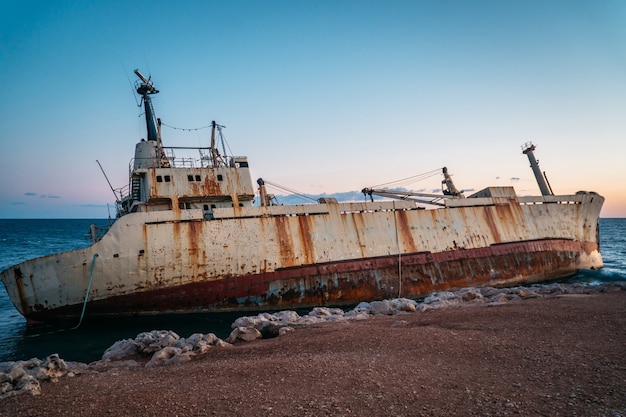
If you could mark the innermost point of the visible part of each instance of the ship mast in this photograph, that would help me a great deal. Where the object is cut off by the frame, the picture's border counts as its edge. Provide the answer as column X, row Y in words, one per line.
column 145, row 88
column 528, row 149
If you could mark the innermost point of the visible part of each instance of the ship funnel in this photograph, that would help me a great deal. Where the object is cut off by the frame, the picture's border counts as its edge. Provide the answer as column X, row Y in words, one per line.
column 528, row 149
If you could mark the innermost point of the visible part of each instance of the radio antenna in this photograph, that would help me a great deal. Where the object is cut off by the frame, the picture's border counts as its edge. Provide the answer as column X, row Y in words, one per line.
column 107, row 178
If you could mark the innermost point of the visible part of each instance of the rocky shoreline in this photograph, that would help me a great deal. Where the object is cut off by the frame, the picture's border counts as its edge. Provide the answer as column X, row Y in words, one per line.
column 152, row 351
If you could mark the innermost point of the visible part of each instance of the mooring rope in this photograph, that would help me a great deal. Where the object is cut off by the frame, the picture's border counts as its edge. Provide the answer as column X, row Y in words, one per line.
column 82, row 314
column 395, row 220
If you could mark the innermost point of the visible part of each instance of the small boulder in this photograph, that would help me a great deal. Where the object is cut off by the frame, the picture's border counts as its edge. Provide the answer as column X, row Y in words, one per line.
column 55, row 367
column 284, row 330
column 28, row 384
column 150, row 342
column 122, row 349
column 244, row 334
column 169, row 355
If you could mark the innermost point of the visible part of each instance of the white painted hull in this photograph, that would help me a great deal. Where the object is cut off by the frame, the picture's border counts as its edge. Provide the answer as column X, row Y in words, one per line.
column 259, row 258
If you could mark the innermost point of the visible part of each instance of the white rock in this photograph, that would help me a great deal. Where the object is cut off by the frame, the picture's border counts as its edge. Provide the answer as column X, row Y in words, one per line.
column 31, row 363
column 287, row 316
column 150, row 342
column 257, row 322
column 244, row 334
column 5, row 387
column 307, row 320
column 472, row 295
column 120, row 350
column 357, row 315
column 323, row 312
column 404, row 305
column 15, row 373
column 442, row 299
column 55, row 366
column 211, row 339
column 28, row 384
column 284, row 330
column 163, row 356
column 384, row 307
column 222, row 344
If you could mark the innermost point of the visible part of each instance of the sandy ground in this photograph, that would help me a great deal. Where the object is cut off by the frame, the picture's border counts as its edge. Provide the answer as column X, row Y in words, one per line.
column 562, row 356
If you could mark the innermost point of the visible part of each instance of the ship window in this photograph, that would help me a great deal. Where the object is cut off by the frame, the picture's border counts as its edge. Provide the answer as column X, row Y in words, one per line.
column 240, row 204
column 190, row 177
column 206, row 207
column 220, row 177
column 197, row 177
column 159, row 178
column 243, row 165
column 167, row 178
column 213, row 206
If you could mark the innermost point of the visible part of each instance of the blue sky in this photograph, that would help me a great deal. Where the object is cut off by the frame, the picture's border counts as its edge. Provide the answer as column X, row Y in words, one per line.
column 322, row 96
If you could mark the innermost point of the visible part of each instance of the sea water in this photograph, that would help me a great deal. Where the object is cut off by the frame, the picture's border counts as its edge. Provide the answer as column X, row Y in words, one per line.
column 26, row 239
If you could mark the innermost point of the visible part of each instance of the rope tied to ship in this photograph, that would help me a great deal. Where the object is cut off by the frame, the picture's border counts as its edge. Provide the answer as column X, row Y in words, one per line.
column 82, row 314
column 395, row 221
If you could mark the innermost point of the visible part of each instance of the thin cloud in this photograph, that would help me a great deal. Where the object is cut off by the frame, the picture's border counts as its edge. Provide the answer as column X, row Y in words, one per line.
column 93, row 205
column 53, row 196
column 30, row 194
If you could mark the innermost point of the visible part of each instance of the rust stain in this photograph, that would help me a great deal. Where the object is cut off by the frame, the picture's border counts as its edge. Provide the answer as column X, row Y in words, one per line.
column 348, row 282
column 492, row 225
column 210, row 185
column 305, row 239
column 285, row 244
column 19, row 284
column 404, row 231
column 359, row 226
column 195, row 239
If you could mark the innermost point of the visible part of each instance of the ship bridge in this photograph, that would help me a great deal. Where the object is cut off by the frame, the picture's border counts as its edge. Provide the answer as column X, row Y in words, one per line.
column 166, row 183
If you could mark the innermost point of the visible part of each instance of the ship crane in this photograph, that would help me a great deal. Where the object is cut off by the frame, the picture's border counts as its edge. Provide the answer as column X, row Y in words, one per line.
column 449, row 190
column 528, row 149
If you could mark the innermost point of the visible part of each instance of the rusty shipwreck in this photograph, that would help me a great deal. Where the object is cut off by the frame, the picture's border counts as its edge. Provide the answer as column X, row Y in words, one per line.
column 188, row 237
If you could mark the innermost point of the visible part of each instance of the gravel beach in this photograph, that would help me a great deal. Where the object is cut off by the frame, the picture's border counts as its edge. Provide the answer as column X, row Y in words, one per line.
column 556, row 356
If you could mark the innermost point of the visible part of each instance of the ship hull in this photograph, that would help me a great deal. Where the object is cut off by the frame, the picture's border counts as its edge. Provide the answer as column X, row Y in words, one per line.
column 264, row 258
